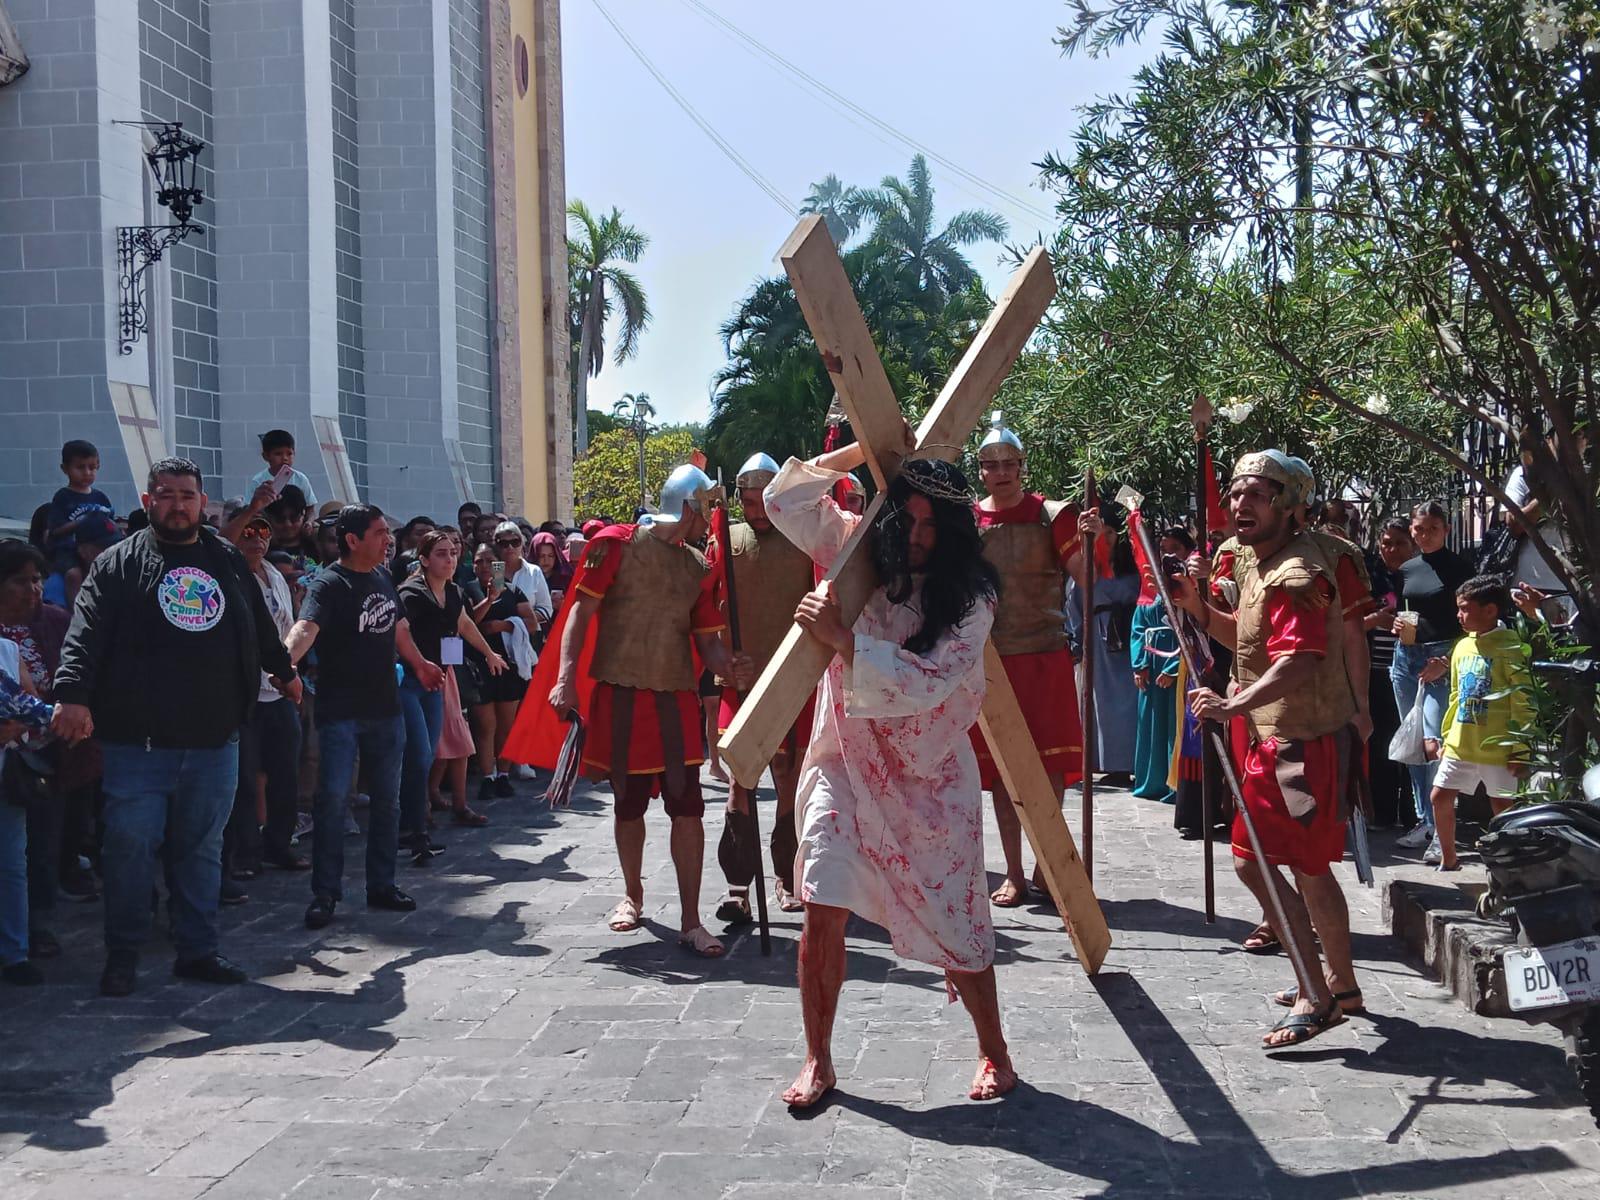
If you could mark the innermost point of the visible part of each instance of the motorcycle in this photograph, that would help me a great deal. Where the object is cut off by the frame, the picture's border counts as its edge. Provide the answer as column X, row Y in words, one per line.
column 1543, row 864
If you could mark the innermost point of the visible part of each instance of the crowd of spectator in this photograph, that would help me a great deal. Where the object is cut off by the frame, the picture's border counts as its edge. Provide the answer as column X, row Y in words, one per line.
column 193, row 694
column 1431, row 609
column 233, row 686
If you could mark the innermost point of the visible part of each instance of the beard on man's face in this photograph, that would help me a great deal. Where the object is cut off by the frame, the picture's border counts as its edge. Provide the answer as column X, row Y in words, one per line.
column 173, row 524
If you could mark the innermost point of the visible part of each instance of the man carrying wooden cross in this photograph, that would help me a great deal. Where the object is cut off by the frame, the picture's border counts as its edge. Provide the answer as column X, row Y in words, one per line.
column 891, row 815
column 1033, row 543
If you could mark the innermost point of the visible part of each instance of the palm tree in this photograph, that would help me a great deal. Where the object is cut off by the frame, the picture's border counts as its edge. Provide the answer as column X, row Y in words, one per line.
column 902, row 214
column 839, row 206
column 598, row 281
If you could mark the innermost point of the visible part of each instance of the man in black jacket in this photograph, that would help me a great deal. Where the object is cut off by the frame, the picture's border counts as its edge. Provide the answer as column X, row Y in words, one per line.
column 162, row 661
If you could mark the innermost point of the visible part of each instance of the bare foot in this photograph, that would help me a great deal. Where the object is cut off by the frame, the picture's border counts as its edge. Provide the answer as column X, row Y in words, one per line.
column 718, row 773
column 816, row 1080
column 993, row 1079
column 1009, row 894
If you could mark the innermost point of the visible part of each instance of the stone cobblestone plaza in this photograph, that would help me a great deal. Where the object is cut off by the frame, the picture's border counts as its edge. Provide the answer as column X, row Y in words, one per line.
column 500, row 1042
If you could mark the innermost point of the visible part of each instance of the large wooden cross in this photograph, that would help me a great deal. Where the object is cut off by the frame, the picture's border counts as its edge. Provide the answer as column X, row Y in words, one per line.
column 830, row 308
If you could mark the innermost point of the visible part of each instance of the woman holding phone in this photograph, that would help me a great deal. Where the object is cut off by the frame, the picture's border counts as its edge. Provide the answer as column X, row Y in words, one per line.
column 1426, row 574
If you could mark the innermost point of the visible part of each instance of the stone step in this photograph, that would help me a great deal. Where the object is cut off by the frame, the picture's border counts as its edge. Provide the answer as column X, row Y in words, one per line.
column 1439, row 924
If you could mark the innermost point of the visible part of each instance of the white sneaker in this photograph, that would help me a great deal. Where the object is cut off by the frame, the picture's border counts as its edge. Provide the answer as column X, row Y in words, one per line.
column 352, row 827
column 1434, row 853
column 302, row 826
column 523, row 771
column 1416, row 839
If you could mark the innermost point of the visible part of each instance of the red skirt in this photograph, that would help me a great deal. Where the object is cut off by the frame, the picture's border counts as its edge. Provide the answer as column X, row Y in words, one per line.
column 794, row 742
column 624, row 742
column 1047, row 692
column 1293, row 790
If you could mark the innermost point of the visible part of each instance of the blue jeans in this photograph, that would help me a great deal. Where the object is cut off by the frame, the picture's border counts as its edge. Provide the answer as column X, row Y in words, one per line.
column 13, row 884
column 1403, row 671
column 380, row 742
column 424, row 717
column 180, row 799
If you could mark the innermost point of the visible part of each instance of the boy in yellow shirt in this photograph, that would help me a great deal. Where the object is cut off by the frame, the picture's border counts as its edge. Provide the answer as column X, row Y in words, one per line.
column 1487, row 670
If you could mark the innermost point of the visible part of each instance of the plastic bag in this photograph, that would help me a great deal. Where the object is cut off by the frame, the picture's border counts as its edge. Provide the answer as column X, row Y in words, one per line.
column 1408, row 745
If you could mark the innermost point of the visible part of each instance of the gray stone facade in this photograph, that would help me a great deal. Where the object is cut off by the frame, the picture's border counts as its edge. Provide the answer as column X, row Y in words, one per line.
column 475, row 399
column 342, row 285
column 175, row 85
column 52, row 260
column 347, row 236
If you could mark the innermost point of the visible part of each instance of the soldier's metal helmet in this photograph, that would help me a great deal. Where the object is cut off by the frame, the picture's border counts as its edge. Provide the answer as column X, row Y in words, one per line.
column 853, row 481
column 690, row 485
column 758, row 471
column 999, row 442
column 1282, row 470
column 1308, row 477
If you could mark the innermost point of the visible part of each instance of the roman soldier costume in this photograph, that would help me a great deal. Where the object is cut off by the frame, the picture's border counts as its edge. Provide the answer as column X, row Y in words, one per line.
column 1293, row 753
column 637, row 671
column 1030, row 545
column 770, row 577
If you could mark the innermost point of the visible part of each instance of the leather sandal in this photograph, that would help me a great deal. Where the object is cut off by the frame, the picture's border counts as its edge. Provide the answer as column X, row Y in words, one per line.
column 1302, row 1027
column 699, row 940
column 1290, row 996
column 624, row 917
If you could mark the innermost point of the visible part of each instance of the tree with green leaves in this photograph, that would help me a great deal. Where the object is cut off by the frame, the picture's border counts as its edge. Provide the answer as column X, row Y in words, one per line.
column 919, row 294
column 903, row 222
column 605, row 480
column 839, row 205
column 597, row 248
column 1413, row 185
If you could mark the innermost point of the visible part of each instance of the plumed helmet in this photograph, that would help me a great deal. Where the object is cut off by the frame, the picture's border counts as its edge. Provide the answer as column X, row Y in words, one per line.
column 997, row 440
column 690, row 485
column 1282, row 470
column 758, row 471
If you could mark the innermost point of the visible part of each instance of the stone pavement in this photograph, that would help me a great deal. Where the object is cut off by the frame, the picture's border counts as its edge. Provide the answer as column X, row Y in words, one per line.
column 500, row 1042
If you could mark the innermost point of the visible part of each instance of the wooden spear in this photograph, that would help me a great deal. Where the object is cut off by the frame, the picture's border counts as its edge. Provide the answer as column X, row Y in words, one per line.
column 1086, row 701
column 1200, row 414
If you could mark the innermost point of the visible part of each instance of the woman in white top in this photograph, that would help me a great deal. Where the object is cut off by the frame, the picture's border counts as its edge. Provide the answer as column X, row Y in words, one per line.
column 529, row 580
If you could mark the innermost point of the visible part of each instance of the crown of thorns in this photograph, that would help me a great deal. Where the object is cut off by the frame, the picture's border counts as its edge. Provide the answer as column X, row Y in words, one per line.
column 937, row 479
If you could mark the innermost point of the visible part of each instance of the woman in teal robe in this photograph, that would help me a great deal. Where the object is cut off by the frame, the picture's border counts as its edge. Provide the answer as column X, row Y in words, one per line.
column 1153, row 648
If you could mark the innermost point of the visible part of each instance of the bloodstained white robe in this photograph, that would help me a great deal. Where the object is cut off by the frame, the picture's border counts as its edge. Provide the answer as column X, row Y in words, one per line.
column 891, row 816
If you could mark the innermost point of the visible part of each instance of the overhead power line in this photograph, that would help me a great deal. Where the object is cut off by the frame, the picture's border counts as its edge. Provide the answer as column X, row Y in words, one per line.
column 826, row 92
column 722, row 143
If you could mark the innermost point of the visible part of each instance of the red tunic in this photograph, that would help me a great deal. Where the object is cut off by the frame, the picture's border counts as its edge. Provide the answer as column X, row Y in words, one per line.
column 661, row 723
column 537, row 735
column 1292, row 787
column 1045, row 685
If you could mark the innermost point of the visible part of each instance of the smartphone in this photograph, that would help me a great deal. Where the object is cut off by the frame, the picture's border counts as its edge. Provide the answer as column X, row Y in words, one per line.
column 281, row 479
column 497, row 572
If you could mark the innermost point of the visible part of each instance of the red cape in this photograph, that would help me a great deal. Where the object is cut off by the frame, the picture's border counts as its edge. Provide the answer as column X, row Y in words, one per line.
column 537, row 735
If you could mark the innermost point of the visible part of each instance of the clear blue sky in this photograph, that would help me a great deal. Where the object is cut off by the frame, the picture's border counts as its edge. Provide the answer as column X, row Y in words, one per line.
column 978, row 81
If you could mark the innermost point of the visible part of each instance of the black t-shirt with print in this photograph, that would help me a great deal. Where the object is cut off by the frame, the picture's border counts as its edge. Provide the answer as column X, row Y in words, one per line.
column 430, row 621
column 196, row 650
column 355, row 614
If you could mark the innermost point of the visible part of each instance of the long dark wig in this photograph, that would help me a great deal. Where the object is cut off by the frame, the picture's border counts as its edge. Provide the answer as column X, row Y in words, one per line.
column 958, row 575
